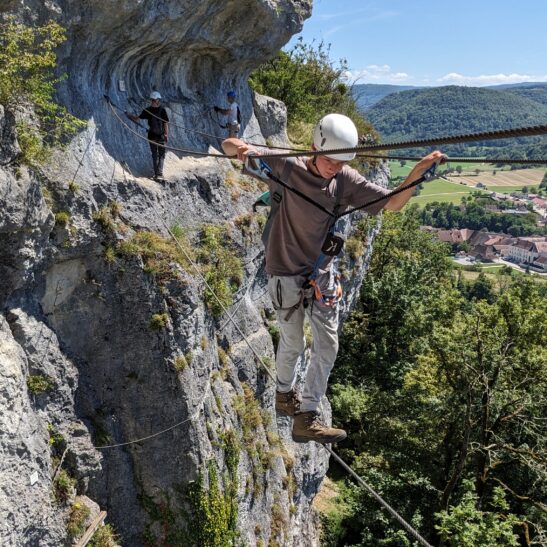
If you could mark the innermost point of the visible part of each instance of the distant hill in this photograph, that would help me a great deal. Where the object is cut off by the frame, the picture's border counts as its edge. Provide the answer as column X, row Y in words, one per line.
column 538, row 94
column 451, row 110
column 522, row 85
column 367, row 95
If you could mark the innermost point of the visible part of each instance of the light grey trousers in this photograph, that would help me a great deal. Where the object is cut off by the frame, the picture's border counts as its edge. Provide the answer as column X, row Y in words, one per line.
column 285, row 293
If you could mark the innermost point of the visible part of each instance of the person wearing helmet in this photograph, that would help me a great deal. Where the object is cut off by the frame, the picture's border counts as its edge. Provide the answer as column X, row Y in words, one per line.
column 233, row 114
column 158, row 132
column 294, row 244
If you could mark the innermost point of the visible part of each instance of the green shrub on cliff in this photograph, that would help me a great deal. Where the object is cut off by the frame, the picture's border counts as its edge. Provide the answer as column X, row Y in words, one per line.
column 221, row 267
column 28, row 81
column 311, row 85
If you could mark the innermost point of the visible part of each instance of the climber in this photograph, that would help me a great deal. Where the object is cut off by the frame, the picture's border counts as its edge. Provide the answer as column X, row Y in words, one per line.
column 294, row 244
column 233, row 113
column 158, row 132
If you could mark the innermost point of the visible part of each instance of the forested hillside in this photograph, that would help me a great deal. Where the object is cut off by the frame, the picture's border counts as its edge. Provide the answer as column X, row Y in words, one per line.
column 441, row 385
column 451, row 110
column 367, row 95
column 537, row 93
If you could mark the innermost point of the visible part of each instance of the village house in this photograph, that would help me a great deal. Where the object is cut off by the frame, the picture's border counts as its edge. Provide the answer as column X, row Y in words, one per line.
column 540, row 263
column 486, row 246
column 527, row 249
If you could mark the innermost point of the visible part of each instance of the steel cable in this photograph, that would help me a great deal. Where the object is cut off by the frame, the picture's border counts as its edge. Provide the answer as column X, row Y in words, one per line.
column 455, row 139
column 461, row 160
column 379, row 499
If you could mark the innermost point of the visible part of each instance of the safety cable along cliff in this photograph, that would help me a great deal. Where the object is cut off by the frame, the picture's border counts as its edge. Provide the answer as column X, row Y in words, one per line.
column 454, row 139
column 469, row 137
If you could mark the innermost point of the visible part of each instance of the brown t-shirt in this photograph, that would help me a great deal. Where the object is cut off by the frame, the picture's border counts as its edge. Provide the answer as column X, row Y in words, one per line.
column 299, row 228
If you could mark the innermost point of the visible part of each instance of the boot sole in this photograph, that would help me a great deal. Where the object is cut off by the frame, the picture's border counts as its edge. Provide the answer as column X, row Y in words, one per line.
column 321, row 440
column 284, row 413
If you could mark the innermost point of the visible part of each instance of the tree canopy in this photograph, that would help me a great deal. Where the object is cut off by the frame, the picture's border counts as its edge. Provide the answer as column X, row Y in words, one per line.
column 441, row 384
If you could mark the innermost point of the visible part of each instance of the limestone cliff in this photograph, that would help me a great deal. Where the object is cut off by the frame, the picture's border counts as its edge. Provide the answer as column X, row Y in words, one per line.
column 106, row 338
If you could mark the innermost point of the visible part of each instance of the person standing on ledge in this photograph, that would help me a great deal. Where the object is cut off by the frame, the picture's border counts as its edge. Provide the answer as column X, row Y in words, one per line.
column 297, row 283
column 233, row 114
column 158, row 132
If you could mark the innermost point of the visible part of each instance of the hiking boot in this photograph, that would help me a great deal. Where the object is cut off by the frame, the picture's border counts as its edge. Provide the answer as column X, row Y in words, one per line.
column 287, row 403
column 307, row 426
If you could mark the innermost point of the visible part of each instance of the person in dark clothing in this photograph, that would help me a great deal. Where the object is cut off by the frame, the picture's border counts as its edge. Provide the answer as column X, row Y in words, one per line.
column 158, row 131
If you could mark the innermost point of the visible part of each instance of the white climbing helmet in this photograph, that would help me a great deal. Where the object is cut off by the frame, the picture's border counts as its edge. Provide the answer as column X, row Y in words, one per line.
column 155, row 95
column 336, row 131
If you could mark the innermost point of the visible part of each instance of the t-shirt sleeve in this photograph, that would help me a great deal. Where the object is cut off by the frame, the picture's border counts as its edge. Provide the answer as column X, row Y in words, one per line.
column 144, row 115
column 360, row 191
column 164, row 115
column 277, row 165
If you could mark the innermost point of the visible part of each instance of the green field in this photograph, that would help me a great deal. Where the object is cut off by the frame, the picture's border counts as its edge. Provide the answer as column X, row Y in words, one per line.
column 400, row 171
column 504, row 189
column 451, row 191
column 442, row 191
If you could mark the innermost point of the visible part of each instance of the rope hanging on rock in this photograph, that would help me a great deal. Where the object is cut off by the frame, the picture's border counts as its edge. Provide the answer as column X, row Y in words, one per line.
column 470, row 137
column 188, row 130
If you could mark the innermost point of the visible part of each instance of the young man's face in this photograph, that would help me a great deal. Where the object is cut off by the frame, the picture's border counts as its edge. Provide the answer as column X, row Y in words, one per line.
column 231, row 98
column 155, row 102
column 328, row 167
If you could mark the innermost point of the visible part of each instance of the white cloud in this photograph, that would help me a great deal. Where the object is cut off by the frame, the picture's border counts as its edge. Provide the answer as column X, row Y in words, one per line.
column 489, row 79
column 376, row 74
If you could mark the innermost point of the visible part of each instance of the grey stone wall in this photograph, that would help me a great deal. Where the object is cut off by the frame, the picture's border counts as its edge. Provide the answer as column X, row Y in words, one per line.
column 82, row 321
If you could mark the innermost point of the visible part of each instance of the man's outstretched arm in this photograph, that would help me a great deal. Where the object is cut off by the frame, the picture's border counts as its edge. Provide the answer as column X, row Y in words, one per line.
column 236, row 147
column 397, row 202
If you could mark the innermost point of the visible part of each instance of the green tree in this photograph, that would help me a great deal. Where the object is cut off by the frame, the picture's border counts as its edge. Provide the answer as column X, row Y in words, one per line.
column 466, row 526
column 28, row 84
column 311, row 85
column 434, row 388
column 482, row 289
column 305, row 79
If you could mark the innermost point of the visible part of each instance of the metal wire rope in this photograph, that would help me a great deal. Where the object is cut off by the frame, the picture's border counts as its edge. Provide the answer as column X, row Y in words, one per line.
column 379, row 498
column 158, row 433
column 461, row 160
column 132, row 99
column 486, row 135
column 455, row 139
column 172, row 148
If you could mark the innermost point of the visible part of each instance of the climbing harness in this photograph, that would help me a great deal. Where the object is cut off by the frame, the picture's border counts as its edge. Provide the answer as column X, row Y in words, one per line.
column 334, row 240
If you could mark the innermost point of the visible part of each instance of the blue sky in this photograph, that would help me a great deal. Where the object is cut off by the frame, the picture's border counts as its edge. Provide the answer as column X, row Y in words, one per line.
column 426, row 42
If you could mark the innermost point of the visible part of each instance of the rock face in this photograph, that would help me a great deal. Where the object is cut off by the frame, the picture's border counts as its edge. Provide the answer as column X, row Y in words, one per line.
column 117, row 380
